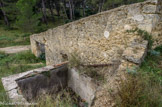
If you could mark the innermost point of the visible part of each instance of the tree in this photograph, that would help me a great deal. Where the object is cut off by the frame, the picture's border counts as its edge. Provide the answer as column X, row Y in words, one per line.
column 44, row 11
column 50, row 6
column 101, row 3
column 71, row 7
column 63, row 5
column 84, row 6
column 27, row 19
column 4, row 14
column 57, row 5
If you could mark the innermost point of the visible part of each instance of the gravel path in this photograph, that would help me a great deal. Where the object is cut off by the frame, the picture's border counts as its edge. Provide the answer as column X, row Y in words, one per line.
column 15, row 49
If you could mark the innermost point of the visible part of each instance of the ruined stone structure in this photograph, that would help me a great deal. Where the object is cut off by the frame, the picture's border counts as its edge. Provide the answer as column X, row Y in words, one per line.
column 101, row 39
column 24, row 88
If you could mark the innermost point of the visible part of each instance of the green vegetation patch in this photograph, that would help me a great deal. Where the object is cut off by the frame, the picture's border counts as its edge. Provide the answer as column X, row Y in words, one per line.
column 145, row 35
column 16, row 63
column 13, row 38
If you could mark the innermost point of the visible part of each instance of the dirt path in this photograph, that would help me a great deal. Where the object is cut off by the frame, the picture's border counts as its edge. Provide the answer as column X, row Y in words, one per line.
column 15, row 49
column 33, row 64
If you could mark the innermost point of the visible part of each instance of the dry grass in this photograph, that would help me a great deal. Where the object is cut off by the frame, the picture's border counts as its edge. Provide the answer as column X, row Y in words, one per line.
column 64, row 98
column 139, row 91
column 143, row 89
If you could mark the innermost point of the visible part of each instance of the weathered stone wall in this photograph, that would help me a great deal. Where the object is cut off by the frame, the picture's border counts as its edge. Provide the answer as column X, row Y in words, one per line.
column 99, row 38
column 157, row 31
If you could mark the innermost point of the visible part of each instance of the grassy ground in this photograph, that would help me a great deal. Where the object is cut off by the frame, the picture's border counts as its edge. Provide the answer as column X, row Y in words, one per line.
column 14, row 37
column 16, row 63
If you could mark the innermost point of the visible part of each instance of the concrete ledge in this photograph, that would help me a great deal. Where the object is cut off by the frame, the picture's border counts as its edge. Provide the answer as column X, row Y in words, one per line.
column 82, row 85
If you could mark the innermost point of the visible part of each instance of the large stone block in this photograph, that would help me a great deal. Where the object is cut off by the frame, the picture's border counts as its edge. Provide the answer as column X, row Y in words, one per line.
column 136, row 51
column 149, row 9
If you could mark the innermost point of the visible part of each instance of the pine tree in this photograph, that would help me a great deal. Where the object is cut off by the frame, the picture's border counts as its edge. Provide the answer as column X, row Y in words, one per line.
column 3, row 8
column 9, row 6
column 28, row 20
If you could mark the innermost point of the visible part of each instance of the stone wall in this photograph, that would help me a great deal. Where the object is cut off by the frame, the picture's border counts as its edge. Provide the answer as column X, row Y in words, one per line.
column 100, row 38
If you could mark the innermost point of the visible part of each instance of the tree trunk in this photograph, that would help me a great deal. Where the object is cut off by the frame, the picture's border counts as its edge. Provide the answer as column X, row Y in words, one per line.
column 51, row 10
column 44, row 12
column 73, row 9
column 64, row 8
column 84, row 6
column 4, row 14
column 57, row 7
column 99, row 7
column 101, row 3
column 70, row 10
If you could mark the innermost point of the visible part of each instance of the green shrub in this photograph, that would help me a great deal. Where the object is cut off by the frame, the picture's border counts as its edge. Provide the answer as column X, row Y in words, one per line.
column 153, row 52
column 42, row 56
column 3, row 55
column 159, row 49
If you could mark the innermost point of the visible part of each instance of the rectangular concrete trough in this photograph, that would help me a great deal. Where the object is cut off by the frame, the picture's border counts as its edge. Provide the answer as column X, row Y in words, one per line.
column 24, row 87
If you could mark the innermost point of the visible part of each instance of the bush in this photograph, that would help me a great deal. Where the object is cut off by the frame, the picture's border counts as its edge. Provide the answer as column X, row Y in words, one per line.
column 139, row 91
column 143, row 87
column 42, row 56
column 3, row 55
column 159, row 49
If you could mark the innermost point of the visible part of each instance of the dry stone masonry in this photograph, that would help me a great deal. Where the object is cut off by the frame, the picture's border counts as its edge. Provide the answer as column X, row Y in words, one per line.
column 102, row 37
